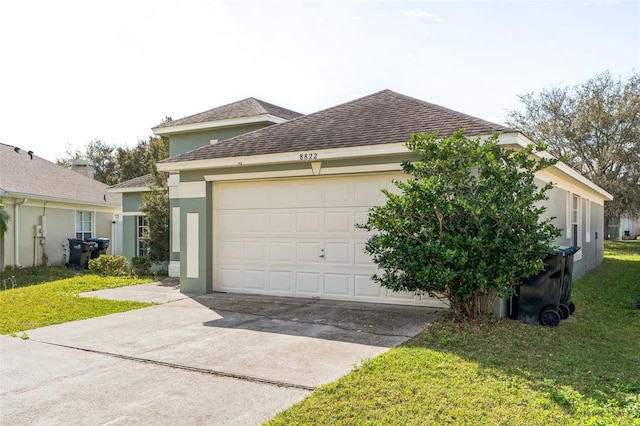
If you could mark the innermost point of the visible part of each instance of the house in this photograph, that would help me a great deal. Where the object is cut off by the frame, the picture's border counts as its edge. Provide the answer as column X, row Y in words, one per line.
column 626, row 227
column 273, row 210
column 186, row 134
column 49, row 204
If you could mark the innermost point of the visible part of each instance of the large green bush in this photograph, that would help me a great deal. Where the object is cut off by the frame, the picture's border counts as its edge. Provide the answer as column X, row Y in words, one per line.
column 467, row 224
column 110, row 266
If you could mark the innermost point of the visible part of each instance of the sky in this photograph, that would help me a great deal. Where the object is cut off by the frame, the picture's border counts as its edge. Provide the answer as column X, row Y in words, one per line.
column 76, row 71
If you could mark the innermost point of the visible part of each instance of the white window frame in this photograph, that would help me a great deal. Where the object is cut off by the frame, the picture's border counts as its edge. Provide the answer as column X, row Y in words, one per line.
column 141, row 250
column 587, row 221
column 81, row 225
column 575, row 215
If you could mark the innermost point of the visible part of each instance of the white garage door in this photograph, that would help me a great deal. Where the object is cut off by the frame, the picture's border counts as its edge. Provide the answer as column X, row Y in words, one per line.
column 297, row 237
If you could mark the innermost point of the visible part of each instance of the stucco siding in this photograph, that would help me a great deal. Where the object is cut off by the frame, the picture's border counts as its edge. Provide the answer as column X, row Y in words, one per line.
column 185, row 142
column 195, row 248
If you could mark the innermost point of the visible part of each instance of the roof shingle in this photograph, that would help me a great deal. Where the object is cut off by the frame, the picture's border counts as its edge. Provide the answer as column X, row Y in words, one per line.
column 381, row 118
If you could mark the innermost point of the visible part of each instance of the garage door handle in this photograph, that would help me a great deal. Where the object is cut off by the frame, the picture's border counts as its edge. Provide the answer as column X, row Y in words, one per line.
column 321, row 253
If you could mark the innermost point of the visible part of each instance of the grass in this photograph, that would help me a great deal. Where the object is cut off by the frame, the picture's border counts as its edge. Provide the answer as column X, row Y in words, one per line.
column 501, row 372
column 22, row 277
column 29, row 305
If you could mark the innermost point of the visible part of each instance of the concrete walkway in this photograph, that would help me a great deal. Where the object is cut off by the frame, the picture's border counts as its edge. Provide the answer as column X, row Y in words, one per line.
column 212, row 359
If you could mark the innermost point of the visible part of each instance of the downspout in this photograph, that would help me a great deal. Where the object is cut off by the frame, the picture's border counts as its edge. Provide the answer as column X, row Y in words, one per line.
column 16, row 229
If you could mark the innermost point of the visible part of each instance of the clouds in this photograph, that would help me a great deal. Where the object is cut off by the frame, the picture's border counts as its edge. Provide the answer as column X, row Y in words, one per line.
column 421, row 14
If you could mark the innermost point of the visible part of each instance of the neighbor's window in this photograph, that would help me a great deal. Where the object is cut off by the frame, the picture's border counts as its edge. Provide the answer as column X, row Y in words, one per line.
column 141, row 228
column 83, row 225
column 575, row 215
column 587, row 221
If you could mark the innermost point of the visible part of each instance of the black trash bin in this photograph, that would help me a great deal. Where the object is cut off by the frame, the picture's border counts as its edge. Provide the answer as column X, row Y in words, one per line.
column 102, row 244
column 537, row 300
column 80, row 253
column 567, row 278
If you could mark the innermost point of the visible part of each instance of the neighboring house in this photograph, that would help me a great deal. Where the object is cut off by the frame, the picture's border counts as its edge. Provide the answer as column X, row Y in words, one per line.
column 187, row 134
column 49, row 204
column 273, row 211
column 625, row 228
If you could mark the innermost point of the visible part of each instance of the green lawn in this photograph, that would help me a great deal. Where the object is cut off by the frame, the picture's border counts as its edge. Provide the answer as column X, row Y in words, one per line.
column 500, row 372
column 25, row 304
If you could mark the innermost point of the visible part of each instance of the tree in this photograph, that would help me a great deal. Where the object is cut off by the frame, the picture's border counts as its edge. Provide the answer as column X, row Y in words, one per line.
column 155, row 206
column 595, row 128
column 4, row 220
column 467, row 224
column 102, row 156
column 155, row 203
column 141, row 159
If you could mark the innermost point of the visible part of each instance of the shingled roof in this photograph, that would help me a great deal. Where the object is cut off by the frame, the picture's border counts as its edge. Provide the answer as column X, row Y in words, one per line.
column 28, row 176
column 244, row 108
column 381, row 118
column 144, row 181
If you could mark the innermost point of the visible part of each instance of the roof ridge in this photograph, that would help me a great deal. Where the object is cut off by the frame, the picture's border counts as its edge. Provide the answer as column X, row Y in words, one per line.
column 449, row 110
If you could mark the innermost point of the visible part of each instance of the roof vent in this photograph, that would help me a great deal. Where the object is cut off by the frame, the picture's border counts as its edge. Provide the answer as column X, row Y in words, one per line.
column 30, row 154
column 17, row 150
column 84, row 167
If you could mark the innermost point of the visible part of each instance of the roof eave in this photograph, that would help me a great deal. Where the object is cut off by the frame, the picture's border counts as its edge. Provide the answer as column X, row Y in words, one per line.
column 129, row 189
column 216, row 124
column 57, row 199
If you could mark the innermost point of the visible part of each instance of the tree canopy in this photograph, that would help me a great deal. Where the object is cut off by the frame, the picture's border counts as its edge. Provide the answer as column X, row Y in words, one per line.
column 595, row 128
column 467, row 224
column 114, row 164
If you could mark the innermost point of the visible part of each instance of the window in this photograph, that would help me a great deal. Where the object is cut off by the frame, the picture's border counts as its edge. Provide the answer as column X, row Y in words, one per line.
column 587, row 221
column 141, row 229
column 83, row 225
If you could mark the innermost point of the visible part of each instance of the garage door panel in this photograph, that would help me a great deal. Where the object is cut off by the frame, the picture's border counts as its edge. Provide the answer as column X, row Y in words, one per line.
column 338, row 222
column 364, row 287
column 308, row 252
column 231, row 222
column 337, row 253
column 369, row 192
column 337, row 284
column 281, row 281
column 309, row 194
column 230, row 279
column 280, row 194
column 281, row 251
column 308, row 222
column 255, row 223
column 308, row 282
column 231, row 251
column 281, row 222
column 255, row 251
column 254, row 280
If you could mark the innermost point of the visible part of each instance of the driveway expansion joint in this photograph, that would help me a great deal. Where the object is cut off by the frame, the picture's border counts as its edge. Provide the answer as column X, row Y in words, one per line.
column 216, row 373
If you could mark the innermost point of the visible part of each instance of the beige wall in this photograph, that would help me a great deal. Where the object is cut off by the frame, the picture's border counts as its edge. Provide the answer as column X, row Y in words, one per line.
column 59, row 225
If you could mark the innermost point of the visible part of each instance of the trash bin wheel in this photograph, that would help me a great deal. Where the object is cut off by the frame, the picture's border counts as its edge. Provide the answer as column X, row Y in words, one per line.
column 572, row 307
column 564, row 311
column 549, row 317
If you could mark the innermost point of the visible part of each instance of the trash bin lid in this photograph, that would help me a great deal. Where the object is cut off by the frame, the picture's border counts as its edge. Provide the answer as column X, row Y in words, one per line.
column 569, row 250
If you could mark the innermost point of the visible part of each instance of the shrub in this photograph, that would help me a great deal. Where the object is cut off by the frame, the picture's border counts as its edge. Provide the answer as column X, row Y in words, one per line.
column 109, row 265
column 141, row 265
column 468, row 223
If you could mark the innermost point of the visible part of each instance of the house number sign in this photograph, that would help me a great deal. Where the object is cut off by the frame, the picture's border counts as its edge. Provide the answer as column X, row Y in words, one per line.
column 309, row 156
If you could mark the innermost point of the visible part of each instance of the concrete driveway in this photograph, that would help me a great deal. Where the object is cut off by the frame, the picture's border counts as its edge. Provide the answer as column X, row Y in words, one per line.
column 208, row 359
